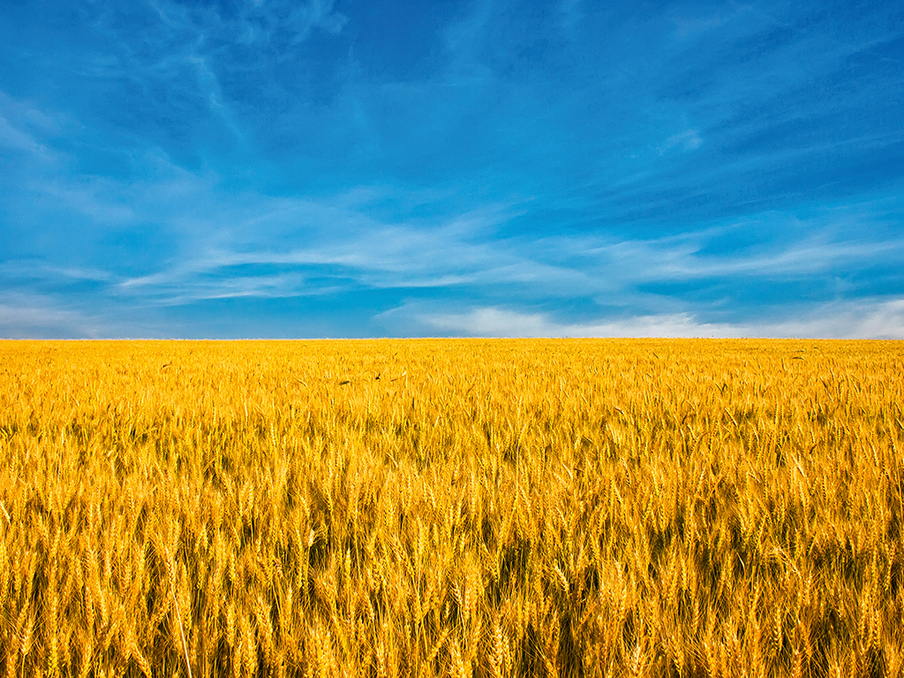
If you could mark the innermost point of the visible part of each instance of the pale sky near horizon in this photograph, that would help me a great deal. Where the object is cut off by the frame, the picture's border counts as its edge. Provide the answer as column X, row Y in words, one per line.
column 330, row 168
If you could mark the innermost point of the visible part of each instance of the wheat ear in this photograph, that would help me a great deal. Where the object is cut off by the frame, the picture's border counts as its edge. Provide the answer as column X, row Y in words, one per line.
column 181, row 630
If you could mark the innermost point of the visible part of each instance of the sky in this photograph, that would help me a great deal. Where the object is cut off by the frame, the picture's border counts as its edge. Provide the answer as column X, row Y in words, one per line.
column 397, row 168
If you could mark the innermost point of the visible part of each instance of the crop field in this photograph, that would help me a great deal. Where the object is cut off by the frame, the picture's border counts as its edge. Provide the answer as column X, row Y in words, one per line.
column 452, row 508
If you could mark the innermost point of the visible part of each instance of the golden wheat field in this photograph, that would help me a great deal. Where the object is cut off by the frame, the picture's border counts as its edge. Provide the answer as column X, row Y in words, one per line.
column 452, row 508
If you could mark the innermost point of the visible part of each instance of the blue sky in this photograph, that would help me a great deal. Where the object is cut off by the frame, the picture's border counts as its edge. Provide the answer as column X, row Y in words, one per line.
column 267, row 168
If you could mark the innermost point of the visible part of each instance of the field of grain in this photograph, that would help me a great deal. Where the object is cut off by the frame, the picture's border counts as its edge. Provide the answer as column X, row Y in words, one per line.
column 452, row 508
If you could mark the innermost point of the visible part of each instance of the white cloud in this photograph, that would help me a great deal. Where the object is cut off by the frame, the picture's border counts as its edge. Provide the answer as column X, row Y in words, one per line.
column 863, row 319
column 499, row 322
column 25, row 316
column 872, row 319
column 688, row 140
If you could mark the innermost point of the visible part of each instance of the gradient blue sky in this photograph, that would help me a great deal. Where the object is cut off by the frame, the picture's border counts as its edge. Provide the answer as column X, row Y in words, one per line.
column 267, row 168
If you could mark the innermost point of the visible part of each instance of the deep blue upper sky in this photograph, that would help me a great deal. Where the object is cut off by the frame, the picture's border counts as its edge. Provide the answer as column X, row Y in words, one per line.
column 272, row 168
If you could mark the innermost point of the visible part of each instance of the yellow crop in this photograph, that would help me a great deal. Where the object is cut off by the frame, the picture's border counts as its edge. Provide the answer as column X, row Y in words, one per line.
column 461, row 507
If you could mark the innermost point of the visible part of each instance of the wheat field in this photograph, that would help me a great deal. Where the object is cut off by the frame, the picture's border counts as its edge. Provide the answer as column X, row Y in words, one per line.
column 452, row 508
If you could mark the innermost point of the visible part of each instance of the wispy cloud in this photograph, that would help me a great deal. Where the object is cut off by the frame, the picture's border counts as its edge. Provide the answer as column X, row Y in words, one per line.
column 688, row 140
column 683, row 258
column 16, row 139
column 254, row 245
